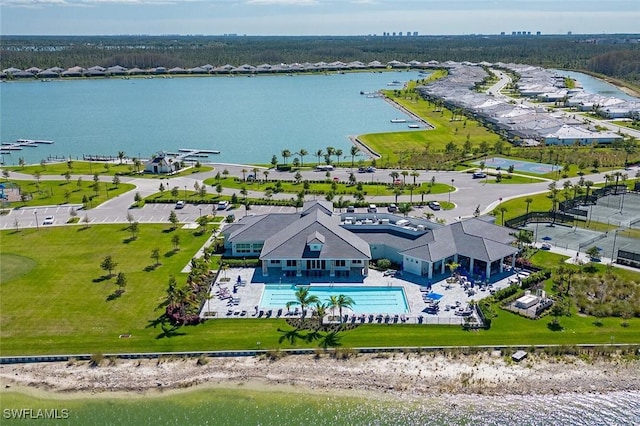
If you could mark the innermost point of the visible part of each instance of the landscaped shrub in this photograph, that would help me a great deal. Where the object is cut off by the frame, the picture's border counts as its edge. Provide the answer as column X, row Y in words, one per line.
column 383, row 263
column 242, row 263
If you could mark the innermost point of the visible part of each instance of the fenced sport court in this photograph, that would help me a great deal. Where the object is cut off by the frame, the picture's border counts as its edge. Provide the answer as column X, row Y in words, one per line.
column 518, row 165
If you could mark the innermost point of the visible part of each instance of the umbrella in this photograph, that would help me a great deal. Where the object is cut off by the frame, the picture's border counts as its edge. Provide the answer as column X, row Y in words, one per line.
column 547, row 238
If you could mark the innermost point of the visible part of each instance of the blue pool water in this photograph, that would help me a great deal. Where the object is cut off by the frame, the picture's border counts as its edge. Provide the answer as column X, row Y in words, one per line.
column 368, row 300
column 434, row 296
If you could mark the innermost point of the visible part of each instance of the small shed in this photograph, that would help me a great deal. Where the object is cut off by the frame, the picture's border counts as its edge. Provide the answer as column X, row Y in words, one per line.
column 519, row 356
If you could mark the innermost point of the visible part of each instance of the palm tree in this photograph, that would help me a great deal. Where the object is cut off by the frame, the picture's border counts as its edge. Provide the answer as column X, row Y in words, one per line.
column 330, row 151
column 588, row 184
column 394, row 175
column 528, row 200
column 354, row 151
column 302, row 154
column 414, row 175
column 397, row 191
column 121, row 156
column 244, row 175
column 405, row 209
column 338, row 154
column 341, row 301
column 286, row 154
column 320, row 312
column 303, row 298
column 319, row 154
column 404, row 174
column 502, row 209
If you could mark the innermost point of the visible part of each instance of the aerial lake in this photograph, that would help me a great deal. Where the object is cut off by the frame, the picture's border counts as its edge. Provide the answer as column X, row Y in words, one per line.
column 247, row 119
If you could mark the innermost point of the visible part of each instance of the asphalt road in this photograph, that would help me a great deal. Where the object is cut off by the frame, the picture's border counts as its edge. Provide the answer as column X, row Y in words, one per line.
column 468, row 195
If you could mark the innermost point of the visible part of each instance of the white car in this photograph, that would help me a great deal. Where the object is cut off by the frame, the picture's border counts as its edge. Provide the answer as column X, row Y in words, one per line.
column 180, row 204
column 372, row 208
column 48, row 220
column 222, row 205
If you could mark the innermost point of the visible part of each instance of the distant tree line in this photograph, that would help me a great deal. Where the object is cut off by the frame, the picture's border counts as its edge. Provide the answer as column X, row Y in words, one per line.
column 611, row 55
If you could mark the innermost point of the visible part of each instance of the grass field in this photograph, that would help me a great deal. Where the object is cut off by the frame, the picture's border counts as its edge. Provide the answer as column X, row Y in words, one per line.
column 393, row 147
column 54, row 192
column 61, row 304
column 93, row 167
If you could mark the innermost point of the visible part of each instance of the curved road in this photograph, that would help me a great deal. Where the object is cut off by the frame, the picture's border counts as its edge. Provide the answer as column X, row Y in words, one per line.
column 468, row 195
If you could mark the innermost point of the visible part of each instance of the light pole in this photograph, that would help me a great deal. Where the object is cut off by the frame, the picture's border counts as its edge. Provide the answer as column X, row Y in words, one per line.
column 613, row 249
column 185, row 192
column 35, row 212
column 450, row 188
column 200, row 209
column 106, row 186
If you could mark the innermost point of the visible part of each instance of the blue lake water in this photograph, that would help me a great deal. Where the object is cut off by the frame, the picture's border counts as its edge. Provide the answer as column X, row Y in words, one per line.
column 247, row 119
column 594, row 85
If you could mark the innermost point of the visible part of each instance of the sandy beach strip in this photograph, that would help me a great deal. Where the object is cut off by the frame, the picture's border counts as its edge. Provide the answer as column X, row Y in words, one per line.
column 398, row 374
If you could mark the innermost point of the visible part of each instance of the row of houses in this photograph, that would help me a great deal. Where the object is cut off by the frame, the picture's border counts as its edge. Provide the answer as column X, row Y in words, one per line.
column 325, row 246
column 521, row 123
column 549, row 86
column 117, row 70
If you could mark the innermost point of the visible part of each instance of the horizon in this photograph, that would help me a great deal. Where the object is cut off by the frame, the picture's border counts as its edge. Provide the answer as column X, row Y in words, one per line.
column 316, row 18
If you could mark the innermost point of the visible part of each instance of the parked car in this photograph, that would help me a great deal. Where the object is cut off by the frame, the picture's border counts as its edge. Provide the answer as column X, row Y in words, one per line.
column 434, row 205
column 392, row 208
column 479, row 175
column 362, row 170
column 546, row 246
column 351, row 209
column 222, row 205
column 371, row 169
column 179, row 205
column 372, row 208
column 48, row 220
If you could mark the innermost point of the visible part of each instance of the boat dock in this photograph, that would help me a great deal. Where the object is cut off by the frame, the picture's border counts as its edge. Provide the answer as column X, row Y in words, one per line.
column 7, row 147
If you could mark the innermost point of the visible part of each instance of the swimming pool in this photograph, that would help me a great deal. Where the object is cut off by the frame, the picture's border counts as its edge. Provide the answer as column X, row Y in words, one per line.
column 368, row 300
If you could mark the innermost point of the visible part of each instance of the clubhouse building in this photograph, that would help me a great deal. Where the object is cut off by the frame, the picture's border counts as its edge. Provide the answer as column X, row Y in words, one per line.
column 319, row 245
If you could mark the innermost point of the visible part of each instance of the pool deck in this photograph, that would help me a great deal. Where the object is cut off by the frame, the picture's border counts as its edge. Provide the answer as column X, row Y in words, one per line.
column 230, row 299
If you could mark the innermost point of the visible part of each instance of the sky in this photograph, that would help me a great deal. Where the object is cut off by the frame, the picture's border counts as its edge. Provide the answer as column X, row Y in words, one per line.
column 316, row 17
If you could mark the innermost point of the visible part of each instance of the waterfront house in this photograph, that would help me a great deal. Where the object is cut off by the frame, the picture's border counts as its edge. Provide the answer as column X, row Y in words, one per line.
column 161, row 163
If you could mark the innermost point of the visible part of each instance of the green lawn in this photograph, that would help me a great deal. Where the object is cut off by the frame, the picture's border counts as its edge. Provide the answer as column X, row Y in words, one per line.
column 61, row 304
column 397, row 147
column 92, row 168
column 54, row 192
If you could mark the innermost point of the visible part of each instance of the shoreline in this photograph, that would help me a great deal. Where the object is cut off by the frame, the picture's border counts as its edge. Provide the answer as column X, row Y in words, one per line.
column 399, row 375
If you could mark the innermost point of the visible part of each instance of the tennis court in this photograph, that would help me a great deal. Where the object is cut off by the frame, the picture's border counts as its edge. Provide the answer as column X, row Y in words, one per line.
column 518, row 165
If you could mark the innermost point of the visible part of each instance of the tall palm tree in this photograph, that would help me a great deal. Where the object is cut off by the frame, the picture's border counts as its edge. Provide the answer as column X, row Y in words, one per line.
column 404, row 174
column 354, row 151
column 266, row 175
column 414, row 175
column 330, row 151
column 502, row 209
column 528, row 200
column 302, row 154
column 394, row 175
column 320, row 312
column 319, row 155
column 588, row 184
column 285, row 154
column 341, row 301
column 121, row 156
column 338, row 155
column 303, row 298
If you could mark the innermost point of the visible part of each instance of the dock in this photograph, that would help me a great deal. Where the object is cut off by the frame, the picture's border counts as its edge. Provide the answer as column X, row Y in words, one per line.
column 20, row 143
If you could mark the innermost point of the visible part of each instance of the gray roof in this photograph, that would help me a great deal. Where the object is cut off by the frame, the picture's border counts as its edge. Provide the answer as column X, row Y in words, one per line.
column 291, row 242
column 471, row 238
column 258, row 228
